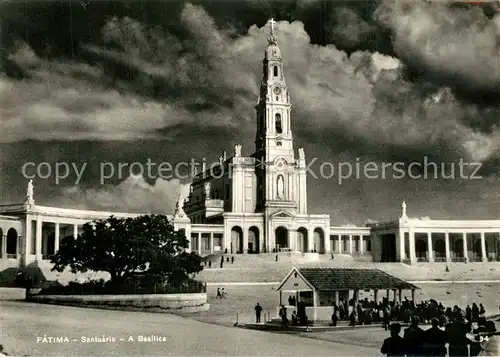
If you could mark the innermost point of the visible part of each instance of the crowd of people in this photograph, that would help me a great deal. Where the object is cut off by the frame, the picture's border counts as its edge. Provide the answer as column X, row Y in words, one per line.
column 464, row 331
column 366, row 312
column 463, row 337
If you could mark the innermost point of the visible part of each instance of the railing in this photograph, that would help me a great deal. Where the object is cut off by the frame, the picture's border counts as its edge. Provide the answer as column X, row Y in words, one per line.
column 135, row 285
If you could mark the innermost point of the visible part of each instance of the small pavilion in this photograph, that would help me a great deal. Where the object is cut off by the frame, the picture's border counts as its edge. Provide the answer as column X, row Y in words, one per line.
column 320, row 287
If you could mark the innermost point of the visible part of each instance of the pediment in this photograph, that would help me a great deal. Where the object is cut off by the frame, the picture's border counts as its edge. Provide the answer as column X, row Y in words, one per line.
column 282, row 214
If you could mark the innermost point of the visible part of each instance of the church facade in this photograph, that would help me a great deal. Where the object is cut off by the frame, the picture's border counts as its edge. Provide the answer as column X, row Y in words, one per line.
column 261, row 199
column 257, row 203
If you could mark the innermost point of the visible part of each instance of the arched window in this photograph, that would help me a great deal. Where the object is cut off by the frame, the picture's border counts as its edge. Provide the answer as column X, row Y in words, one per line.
column 279, row 143
column 12, row 238
column 275, row 71
column 279, row 128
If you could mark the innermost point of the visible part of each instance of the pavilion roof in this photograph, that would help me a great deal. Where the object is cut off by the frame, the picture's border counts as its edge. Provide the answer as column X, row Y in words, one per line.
column 330, row 278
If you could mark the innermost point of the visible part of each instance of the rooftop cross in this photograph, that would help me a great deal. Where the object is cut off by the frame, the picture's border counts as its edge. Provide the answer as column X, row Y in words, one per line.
column 272, row 22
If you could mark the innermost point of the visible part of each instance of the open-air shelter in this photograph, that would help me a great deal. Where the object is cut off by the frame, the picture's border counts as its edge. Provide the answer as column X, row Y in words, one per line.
column 320, row 287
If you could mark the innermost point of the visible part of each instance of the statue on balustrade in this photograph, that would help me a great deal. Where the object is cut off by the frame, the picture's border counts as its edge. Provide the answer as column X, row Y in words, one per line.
column 207, row 190
column 237, row 150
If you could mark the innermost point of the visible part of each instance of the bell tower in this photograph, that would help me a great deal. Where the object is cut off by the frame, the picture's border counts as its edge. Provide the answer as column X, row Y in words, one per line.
column 274, row 132
column 278, row 173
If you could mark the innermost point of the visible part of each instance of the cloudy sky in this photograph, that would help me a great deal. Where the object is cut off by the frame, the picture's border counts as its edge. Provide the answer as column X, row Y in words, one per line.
column 103, row 83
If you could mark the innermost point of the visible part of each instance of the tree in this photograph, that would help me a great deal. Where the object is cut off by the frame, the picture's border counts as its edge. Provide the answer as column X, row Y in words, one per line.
column 125, row 246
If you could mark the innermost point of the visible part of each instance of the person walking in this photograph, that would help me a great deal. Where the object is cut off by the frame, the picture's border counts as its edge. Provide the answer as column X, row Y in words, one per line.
column 258, row 311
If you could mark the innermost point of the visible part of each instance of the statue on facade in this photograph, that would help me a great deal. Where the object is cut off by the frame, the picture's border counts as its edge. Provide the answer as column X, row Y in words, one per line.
column 237, row 150
column 301, row 154
column 207, row 190
column 179, row 208
column 29, row 191
column 281, row 187
column 403, row 209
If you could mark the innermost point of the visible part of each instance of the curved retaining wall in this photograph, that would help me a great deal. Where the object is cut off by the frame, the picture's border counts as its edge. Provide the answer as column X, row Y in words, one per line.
column 168, row 303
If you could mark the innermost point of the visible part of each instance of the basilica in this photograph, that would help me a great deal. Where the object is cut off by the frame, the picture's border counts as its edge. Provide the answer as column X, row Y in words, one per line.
column 256, row 203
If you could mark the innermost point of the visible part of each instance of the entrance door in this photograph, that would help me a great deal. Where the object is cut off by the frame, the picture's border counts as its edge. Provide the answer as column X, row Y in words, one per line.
column 281, row 237
column 388, row 248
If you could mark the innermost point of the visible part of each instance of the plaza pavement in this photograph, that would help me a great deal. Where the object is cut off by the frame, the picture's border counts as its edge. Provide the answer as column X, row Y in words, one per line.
column 23, row 324
column 241, row 299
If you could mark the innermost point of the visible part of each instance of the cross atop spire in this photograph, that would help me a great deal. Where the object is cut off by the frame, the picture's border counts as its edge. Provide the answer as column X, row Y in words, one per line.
column 272, row 22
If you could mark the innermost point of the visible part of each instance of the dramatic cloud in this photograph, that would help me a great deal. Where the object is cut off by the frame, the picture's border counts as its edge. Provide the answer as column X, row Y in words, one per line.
column 460, row 44
column 133, row 194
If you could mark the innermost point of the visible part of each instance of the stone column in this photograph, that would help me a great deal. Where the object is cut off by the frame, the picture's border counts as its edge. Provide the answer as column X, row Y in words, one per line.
column 402, row 244
column 388, row 293
column 361, row 243
column 484, row 253
column 211, row 243
column 413, row 256
column 447, row 247
column 75, row 231
column 375, row 295
column 337, row 297
column 413, row 294
column 244, row 249
column 198, row 242
column 395, row 295
column 56, row 238
column 27, row 239
column 295, row 240
column 38, row 239
column 315, row 304
column 464, row 238
column 3, row 253
column 430, row 250
column 400, row 295
column 350, row 244
column 327, row 241
column 339, row 244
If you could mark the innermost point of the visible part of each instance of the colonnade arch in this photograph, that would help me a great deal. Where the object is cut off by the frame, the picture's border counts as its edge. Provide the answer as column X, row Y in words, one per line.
column 236, row 240
column 303, row 238
column 319, row 240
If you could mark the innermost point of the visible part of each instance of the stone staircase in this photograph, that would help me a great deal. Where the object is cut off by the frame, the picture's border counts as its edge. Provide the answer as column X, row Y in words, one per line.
column 263, row 268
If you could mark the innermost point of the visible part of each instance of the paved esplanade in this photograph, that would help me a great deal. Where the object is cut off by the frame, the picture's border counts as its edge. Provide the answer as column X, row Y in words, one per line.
column 23, row 325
